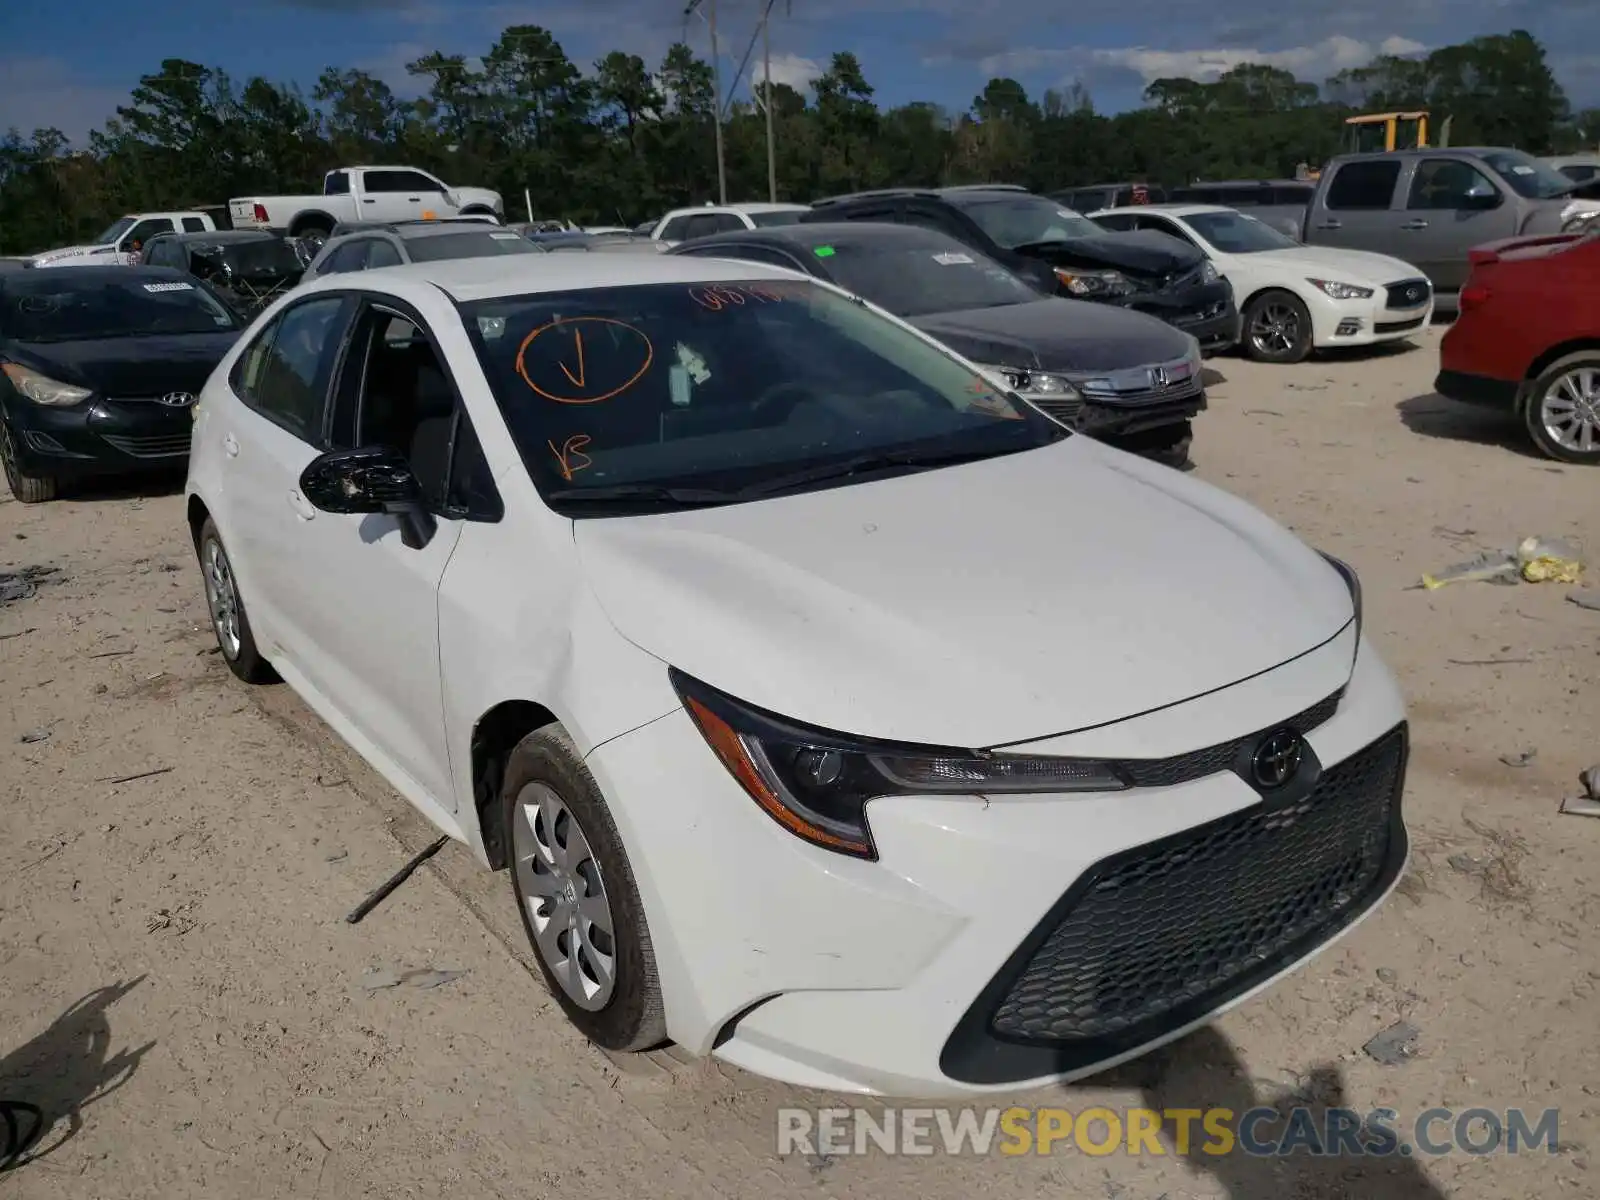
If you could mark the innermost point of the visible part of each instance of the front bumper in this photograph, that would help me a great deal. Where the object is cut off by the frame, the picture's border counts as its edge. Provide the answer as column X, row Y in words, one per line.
column 99, row 437
column 920, row 974
column 1204, row 310
column 1390, row 314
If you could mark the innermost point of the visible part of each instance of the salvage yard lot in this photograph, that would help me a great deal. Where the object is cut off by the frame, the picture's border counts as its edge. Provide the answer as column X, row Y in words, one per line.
column 177, row 970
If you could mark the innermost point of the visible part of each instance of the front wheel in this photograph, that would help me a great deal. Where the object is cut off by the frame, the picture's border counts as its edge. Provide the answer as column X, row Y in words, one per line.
column 1562, row 414
column 575, row 889
column 1277, row 328
column 28, row 489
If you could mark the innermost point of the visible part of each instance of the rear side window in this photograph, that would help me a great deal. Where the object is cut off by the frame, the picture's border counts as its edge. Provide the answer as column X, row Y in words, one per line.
column 283, row 375
column 1116, row 222
column 382, row 254
column 337, row 183
column 673, row 230
column 1363, row 185
column 352, row 256
column 193, row 225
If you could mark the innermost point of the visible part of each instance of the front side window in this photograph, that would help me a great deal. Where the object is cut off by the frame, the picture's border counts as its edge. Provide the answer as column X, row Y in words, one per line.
column 287, row 381
column 147, row 229
column 1445, row 183
column 390, row 182
column 1018, row 221
column 724, row 387
column 54, row 306
column 771, row 220
column 1528, row 177
column 114, row 231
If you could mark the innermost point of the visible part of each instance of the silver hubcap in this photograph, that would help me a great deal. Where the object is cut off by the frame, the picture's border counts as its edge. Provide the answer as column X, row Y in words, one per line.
column 1275, row 329
column 222, row 597
column 1570, row 410
column 565, row 896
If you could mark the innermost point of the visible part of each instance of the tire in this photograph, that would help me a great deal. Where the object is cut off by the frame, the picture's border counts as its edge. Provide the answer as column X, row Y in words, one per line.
column 1277, row 328
column 27, row 489
column 313, row 233
column 1561, row 411
column 229, row 621
column 563, row 843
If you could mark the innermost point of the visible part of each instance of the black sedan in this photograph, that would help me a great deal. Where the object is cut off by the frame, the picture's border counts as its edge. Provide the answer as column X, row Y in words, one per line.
column 250, row 268
column 99, row 367
column 1122, row 376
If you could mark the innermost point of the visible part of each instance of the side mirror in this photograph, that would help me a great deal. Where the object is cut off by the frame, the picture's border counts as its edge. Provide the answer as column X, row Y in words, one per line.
column 370, row 479
column 1481, row 198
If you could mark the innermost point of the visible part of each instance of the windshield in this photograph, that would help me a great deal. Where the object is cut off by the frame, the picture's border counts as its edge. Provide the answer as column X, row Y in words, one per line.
column 1528, row 176
column 256, row 257
column 914, row 280
column 723, row 386
column 484, row 243
column 766, row 220
column 115, row 230
column 1019, row 220
column 59, row 306
column 1238, row 233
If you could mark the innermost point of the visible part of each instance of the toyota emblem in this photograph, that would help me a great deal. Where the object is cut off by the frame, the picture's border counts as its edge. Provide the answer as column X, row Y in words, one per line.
column 177, row 399
column 1277, row 758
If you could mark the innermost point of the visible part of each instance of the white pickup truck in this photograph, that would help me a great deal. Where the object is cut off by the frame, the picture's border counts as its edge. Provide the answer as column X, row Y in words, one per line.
column 363, row 194
column 126, row 236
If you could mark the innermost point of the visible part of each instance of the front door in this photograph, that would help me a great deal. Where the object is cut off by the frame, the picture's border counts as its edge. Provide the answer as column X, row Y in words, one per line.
column 401, row 195
column 372, row 636
column 1443, row 221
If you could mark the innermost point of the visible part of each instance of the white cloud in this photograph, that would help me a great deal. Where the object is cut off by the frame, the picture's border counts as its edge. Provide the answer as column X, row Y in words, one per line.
column 41, row 92
column 1327, row 57
column 790, row 69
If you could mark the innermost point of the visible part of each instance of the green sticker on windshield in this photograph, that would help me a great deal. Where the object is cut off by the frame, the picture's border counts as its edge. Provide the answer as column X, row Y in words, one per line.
column 823, row 251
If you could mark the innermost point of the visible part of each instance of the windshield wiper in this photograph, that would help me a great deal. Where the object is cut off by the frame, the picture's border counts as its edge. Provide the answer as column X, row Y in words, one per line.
column 867, row 462
column 624, row 492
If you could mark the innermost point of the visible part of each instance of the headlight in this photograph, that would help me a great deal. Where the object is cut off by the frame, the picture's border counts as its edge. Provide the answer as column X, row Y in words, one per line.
column 816, row 784
column 41, row 389
column 1026, row 382
column 1341, row 291
column 1351, row 581
column 1094, row 283
column 1208, row 272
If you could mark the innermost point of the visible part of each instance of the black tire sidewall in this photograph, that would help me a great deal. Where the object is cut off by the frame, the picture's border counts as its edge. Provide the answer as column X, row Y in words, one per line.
column 25, row 489
column 633, row 1019
column 248, row 664
column 1534, row 426
column 1302, row 348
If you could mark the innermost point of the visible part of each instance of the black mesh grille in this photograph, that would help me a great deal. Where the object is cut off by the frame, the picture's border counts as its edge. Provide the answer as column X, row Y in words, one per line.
column 164, row 445
column 1206, row 913
column 1408, row 293
column 1213, row 760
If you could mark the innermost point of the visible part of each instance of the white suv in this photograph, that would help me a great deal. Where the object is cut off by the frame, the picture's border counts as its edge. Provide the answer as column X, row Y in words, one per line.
column 742, row 622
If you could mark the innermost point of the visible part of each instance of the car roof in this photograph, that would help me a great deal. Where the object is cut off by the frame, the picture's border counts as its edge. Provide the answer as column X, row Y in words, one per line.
column 223, row 235
column 98, row 274
column 488, row 278
column 1171, row 210
column 837, row 233
column 1200, row 184
column 762, row 206
column 407, row 230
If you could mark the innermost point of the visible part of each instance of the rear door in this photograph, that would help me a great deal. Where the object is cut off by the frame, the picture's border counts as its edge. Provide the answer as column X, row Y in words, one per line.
column 1359, row 209
column 1440, row 227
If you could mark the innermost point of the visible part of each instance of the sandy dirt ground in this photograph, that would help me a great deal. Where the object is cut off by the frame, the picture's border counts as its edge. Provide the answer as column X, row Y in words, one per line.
column 180, row 992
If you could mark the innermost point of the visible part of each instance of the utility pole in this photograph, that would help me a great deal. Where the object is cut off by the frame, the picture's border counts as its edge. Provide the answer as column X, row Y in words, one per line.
column 766, row 102
column 716, row 94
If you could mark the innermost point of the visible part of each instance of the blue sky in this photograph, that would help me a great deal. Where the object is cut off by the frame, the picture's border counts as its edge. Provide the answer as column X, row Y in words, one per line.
column 70, row 62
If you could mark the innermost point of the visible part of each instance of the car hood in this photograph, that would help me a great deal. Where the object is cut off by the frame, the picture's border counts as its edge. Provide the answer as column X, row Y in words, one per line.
column 1325, row 262
column 1057, row 335
column 61, row 252
column 131, row 366
column 1142, row 252
column 998, row 601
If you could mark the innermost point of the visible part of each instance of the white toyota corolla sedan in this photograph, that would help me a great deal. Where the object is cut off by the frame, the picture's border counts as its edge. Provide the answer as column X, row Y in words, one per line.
column 1293, row 298
column 833, row 712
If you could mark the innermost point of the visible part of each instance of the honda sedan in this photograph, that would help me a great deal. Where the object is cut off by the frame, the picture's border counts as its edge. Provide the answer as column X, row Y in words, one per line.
column 827, row 706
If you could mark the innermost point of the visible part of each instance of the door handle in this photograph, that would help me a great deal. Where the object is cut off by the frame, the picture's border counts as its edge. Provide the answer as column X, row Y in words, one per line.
column 1419, row 223
column 301, row 506
column 414, row 199
column 1330, row 225
column 230, row 445
column 368, row 200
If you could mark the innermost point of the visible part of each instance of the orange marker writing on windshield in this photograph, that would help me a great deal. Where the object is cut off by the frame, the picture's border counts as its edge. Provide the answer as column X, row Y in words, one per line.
column 569, row 450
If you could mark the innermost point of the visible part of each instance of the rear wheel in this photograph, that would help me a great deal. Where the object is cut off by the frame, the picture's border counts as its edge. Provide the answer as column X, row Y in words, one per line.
column 313, row 235
column 28, row 489
column 1562, row 414
column 229, row 621
column 1277, row 328
column 575, row 889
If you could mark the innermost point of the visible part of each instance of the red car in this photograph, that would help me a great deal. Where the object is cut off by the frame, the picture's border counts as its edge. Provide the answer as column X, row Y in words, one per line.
column 1528, row 340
